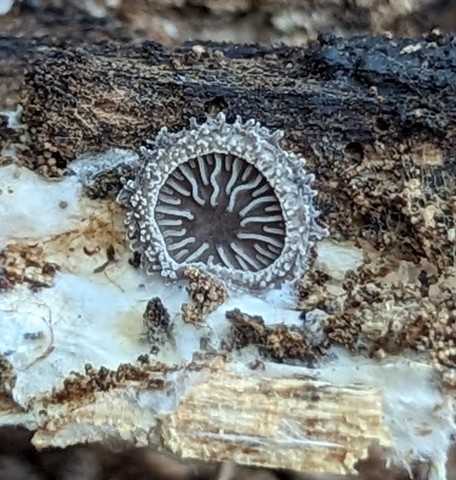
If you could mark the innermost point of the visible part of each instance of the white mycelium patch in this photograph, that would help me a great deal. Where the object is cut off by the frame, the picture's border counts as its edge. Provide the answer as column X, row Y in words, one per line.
column 93, row 315
column 90, row 315
column 226, row 199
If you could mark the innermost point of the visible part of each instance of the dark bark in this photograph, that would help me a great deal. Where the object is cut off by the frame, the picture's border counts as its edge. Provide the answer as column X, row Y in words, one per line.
column 374, row 117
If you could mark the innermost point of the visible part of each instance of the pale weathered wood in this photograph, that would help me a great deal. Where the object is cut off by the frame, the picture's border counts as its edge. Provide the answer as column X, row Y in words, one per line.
column 300, row 424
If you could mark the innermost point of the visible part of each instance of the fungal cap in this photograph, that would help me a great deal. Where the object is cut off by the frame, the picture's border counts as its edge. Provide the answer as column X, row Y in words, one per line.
column 210, row 156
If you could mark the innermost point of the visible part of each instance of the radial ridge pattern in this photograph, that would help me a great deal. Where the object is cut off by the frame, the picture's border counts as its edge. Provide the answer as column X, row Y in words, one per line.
column 225, row 198
column 219, row 209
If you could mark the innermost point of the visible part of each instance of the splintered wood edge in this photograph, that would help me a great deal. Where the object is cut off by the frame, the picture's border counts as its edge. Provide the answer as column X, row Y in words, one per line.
column 290, row 423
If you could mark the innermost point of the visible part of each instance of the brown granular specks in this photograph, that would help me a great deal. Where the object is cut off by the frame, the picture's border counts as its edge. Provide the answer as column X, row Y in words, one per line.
column 402, row 203
column 23, row 263
column 318, row 290
column 287, row 343
column 343, row 330
column 7, row 380
column 279, row 342
column 425, row 323
column 84, row 386
column 157, row 327
column 379, row 307
column 108, row 183
column 206, row 293
column 245, row 330
column 389, row 307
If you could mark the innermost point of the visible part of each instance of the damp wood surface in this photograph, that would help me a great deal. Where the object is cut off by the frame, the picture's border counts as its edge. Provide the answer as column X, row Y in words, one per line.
column 374, row 117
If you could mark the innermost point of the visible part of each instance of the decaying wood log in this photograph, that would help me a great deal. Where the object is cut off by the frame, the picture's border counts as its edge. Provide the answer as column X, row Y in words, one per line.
column 374, row 117
column 211, row 413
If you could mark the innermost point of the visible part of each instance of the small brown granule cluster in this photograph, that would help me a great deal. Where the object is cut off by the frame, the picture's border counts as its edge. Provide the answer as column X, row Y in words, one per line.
column 206, row 293
column 84, row 386
column 343, row 330
column 287, row 343
column 7, row 380
column 245, row 330
column 314, row 290
column 388, row 307
column 22, row 263
column 448, row 377
column 157, row 327
column 5, row 284
column 108, row 183
column 433, row 327
column 279, row 343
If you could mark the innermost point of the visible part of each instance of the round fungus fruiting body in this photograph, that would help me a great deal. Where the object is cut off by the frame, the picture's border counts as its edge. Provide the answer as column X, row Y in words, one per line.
column 224, row 198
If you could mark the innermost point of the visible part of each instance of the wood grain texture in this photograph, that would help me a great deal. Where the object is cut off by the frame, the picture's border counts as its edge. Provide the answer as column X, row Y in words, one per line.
column 299, row 424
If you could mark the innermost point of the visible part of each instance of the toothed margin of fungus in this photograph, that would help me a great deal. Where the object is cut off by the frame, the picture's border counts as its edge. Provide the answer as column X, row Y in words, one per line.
column 251, row 143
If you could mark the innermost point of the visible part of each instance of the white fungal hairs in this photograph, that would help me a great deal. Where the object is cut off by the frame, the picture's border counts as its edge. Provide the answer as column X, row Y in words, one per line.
column 226, row 199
